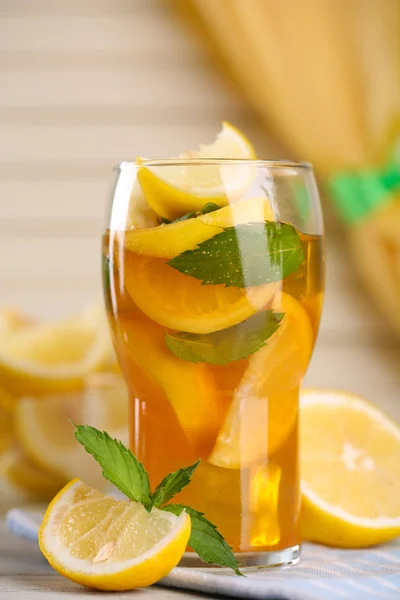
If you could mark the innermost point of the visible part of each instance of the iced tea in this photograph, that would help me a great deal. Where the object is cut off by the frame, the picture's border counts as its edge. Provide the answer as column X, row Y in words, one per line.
column 214, row 318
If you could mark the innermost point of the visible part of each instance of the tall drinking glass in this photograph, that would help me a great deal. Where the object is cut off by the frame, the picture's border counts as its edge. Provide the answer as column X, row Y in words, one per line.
column 214, row 316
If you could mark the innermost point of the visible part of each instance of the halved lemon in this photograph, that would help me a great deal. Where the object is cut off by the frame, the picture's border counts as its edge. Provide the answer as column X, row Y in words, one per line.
column 21, row 479
column 167, row 241
column 56, row 356
column 264, row 407
column 46, row 434
column 106, row 544
column 180, row 302
column 350, row 470
column 179, row 188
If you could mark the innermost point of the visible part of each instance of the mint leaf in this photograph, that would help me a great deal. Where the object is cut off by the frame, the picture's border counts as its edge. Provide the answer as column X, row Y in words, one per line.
column 172, row 484
column 119, row 465
column 222, row 347
column 207, row 208
column 206, row 540
column 246, row 255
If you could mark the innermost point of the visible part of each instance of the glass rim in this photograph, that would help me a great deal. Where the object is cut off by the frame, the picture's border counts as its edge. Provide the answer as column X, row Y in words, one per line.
column 181, row 162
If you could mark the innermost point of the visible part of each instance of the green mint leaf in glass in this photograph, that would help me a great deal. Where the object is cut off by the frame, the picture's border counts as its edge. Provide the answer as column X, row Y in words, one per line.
column 119, row 465
column 206, row 540
column 243, row 256
column 172, row 484
column 207, row 208
column 222, row 347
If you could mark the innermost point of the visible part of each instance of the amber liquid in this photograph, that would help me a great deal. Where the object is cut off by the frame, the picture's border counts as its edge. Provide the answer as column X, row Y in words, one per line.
column 241, row 419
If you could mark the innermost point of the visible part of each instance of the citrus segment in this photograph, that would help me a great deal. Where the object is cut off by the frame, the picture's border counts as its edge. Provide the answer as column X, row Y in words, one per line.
column 106, row 544
column 55, row 356
column 46, row 435
column 181, row 302
column 350, row 466
column 179, row 187
column 265, row 403
column 167, row 241
column 189, row 387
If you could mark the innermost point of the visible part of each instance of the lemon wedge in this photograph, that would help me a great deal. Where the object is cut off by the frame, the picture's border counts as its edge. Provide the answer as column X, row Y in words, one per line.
column 167, row 241
column 47, row 437
column 107, row 544
column 56, row 356
column 179, row 187
column 350, row 469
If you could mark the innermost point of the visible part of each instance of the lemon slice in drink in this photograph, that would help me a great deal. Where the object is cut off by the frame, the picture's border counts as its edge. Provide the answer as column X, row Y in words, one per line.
column 264, row 407
column 56, row 356
column 106, row 544
column 177, row 301
column 46, row 435
column 179, row 188
column 167, row 241
column 189, row 387
column 350, row 469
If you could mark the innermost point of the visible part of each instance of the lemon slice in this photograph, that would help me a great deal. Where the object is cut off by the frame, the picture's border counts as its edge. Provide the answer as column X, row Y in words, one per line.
column 46, row 434
column 350, row 468
column 20, row 479
column 167, row 241
column 177, row 301
column 264, row 407
column 55, row 356
column 179, row 188
column 189, row 388
column 106, row 544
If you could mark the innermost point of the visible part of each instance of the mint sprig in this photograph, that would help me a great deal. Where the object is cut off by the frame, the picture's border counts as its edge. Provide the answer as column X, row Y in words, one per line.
column 122, row 469
column 245, row 255
column 223, row 347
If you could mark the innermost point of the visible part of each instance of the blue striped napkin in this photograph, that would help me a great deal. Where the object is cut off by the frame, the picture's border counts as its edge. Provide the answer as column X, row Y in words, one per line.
column 322, row 573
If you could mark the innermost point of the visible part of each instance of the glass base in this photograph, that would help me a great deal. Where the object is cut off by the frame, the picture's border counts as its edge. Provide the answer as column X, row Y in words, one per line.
column 248, row 561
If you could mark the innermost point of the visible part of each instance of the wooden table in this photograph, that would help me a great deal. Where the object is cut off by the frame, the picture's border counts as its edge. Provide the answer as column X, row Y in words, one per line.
column 25, row 575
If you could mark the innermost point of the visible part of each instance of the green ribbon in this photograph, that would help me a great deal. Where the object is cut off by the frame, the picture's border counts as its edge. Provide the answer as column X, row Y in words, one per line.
column 357, row 194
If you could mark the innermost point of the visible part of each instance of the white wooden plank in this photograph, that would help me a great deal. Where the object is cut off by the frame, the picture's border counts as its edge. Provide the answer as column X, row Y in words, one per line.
column 62, row 8
column 70, row 199
column 141, row 30
column 61, row 60
column 56, row 260
column 123, row 87
column 102, row 143
column 110, row 116
column 371, row 371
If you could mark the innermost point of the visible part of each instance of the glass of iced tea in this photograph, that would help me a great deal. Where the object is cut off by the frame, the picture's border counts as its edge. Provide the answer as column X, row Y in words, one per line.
column 213, row 274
